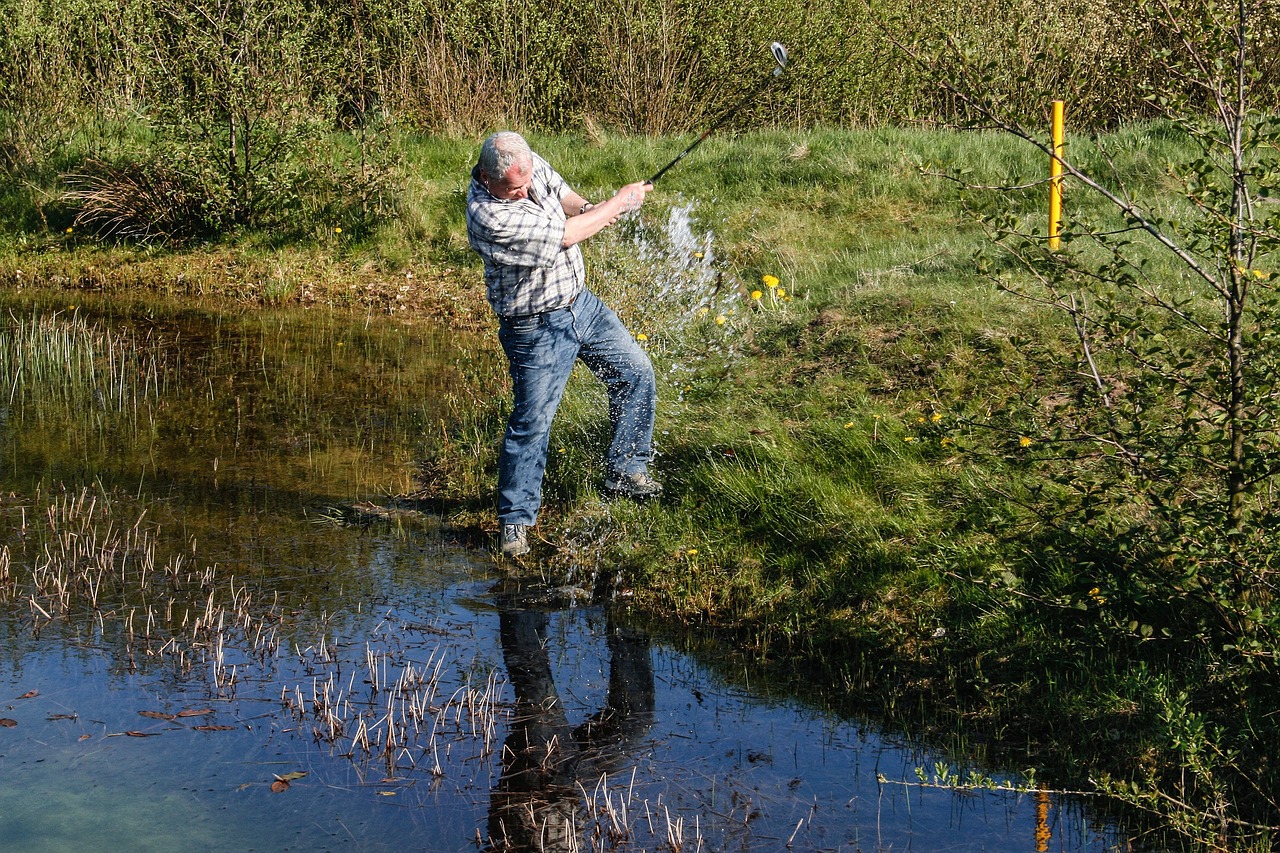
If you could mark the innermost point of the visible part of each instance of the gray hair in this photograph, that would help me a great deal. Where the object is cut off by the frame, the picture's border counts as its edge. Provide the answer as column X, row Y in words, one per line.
column 501, row 151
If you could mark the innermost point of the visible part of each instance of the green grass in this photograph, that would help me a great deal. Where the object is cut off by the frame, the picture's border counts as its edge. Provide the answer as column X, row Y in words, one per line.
column 845, row 464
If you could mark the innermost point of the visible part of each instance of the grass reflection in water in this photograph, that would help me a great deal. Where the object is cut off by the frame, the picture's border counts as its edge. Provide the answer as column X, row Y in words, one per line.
column 204, row 666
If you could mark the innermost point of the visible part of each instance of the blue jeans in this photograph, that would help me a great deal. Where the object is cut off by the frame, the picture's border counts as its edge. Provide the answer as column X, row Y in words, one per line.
column 541, row 350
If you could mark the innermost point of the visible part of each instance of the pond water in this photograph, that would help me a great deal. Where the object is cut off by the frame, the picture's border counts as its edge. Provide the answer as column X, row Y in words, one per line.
column 195, row 654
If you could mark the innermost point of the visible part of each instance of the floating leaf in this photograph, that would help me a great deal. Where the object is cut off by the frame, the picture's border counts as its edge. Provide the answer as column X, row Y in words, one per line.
column 289, row 777
column 84, row 737
column 30, row 694
column 7, row 723
column 141, row 734
column 208, row 728
column 386, row 793
column 279, row 786
column 195, row 712
column 157, row 715
column 53, row 717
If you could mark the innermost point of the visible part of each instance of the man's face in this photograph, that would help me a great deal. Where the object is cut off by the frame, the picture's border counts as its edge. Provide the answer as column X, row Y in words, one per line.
column 512, row 186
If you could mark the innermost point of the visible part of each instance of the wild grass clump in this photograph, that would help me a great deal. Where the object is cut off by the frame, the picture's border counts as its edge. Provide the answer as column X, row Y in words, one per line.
column 65, row 357
column 143, row 202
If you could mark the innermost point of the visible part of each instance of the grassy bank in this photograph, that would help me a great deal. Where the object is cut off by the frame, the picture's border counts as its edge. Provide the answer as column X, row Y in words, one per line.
column 847, row 432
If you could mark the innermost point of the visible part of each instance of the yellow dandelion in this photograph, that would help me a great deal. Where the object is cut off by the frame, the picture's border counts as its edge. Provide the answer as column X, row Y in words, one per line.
column 69, row 229
column 947, row 442
column 1094, row 591
column 702, row 312
column 642, row 337
column 337, row 229
column 770, row 281
column 909, row 438
column 698, row 255
column 1024, row 442
column 692, row 552
column 849, row 425
column 755, row 294
column 920, row 419
column 935, row 417
column 781, row 293
column 721, row 320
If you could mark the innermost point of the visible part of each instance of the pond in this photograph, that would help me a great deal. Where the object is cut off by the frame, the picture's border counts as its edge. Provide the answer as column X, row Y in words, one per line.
column 196, row 653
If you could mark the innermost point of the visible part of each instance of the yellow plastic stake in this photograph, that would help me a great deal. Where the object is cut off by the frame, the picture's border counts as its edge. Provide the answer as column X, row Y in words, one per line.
column 1055, row 179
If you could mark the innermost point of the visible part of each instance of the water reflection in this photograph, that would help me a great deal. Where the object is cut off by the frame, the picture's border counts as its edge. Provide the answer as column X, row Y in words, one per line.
column 545, row 762
column 373, row 659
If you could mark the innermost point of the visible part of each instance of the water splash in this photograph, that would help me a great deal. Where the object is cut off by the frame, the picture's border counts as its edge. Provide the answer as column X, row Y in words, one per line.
column 674, row 293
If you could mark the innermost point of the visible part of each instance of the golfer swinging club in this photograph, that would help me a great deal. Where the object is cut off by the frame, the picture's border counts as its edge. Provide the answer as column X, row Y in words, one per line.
column 526, row 223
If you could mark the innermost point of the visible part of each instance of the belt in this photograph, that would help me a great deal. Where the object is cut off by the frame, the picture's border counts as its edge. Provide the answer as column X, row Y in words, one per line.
column 568, row 304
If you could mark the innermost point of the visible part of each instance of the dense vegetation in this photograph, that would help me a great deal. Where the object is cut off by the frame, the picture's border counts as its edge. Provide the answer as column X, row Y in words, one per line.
column 1037, row 490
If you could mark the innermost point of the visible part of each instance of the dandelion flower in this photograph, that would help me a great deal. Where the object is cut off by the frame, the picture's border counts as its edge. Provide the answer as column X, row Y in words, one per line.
column 692, row 552
column 770, row 281
column 337, row 229
column 69, row 229
column 781, row 293
column 755, row 294
column 702, row 312
column 642, row 337
column 698, row 255
column 935, row 417
column 721, row 320
column 849, row 425
column 947, row 441
column 1024, row 442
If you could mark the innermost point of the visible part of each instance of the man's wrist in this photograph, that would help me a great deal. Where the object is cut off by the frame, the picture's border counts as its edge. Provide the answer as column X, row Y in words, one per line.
column 586, row 205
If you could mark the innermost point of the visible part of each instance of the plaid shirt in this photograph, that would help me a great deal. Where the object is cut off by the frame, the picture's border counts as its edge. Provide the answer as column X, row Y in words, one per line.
column 526, row 270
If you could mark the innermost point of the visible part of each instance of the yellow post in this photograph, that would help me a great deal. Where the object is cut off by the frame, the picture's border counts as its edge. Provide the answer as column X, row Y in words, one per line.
column 1055, row 178
column 1044, row 834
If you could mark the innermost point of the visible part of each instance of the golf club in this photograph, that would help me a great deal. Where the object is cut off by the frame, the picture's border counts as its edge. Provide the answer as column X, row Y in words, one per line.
column 780, row 56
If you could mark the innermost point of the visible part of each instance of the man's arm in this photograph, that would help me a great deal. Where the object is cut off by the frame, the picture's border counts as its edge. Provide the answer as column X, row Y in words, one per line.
column 575, row 205
column 586, row 220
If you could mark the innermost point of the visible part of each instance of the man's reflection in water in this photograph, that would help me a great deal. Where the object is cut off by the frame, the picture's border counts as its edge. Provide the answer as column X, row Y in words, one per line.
column 544, row 759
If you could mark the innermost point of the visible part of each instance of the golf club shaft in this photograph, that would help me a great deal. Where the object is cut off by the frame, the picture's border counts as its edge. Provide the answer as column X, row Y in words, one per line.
column 724, row 118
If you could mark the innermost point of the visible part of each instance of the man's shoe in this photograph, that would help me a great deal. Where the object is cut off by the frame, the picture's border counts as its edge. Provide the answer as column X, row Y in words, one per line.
column 515, row 540
column 639, row 485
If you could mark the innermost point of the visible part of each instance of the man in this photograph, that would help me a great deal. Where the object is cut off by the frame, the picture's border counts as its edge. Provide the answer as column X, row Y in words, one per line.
column 526, row 223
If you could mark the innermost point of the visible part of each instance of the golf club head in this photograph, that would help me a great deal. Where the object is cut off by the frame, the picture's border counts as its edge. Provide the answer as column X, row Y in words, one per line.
column 780, row 56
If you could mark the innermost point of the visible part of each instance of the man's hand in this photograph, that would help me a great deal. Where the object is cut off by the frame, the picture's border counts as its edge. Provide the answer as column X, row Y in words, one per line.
column 604, row 214
column 632, row 195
